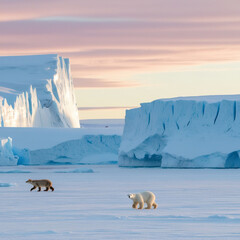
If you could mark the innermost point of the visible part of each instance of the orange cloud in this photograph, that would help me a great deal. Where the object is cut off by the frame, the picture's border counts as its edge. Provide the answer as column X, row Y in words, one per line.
column 96, row 83
column 104, row 108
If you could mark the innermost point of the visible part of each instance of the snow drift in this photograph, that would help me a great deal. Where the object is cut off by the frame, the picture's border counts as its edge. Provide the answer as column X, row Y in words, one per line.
column 192, row 132
column 37, row 91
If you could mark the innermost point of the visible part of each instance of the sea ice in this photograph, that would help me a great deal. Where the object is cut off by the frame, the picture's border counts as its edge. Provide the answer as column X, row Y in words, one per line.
column 192, row 204
column 7, row 184
column 77, row 170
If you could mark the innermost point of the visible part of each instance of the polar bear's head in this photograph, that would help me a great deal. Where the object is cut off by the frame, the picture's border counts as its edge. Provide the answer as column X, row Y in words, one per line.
column 131, row 195
column 29, row 181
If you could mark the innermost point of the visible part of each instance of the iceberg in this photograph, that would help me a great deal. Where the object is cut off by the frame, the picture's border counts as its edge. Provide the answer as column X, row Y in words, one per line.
column 6, row 152
column 90, row 149
column 37, row 91
column 49, row 146
column 185, row 132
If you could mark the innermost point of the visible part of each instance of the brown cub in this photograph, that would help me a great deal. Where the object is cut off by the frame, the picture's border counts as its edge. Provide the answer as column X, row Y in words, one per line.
column 40, row 183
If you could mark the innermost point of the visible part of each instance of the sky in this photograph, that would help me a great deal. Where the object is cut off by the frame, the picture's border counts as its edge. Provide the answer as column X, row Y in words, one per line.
column 126, row 52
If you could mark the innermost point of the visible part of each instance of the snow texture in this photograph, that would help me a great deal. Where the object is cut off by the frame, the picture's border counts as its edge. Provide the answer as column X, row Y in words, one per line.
column 37, row 91
column 191, row 132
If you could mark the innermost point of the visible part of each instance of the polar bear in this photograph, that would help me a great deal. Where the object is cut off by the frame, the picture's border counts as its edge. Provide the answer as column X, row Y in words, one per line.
column 141, row 198
column 41, row 183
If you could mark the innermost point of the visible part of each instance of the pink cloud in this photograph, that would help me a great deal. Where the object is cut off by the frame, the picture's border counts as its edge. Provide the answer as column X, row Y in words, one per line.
column 141, row 9
column 105, row 37
column 76, row 35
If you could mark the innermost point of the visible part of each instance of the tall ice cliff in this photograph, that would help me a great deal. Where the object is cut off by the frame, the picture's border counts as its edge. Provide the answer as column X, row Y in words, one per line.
column 190, row 132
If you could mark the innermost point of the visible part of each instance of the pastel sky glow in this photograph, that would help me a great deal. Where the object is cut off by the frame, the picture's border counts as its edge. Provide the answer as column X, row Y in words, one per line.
column 124, row 52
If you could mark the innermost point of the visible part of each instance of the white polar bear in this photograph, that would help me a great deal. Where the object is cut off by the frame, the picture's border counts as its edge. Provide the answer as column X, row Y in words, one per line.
column 141, row 198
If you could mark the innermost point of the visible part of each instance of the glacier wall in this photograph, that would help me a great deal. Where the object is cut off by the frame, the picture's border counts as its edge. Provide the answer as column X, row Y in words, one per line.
column 37, row 91
column 192, row 132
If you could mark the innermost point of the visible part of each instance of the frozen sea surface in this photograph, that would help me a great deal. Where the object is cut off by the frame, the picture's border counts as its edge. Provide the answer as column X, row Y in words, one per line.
column 192, row 203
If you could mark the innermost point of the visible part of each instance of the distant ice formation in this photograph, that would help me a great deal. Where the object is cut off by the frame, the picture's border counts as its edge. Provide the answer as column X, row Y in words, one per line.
column 192, row 132
column 6, row 154
column 90, row 149
column 43, row 146
column 37, row 91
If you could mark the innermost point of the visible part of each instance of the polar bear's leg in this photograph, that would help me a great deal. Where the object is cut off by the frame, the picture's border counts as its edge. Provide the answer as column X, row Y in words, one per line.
column 134, row 205
column 33, row 188
column 141, row 204
column 155, row 205
column 149, row 206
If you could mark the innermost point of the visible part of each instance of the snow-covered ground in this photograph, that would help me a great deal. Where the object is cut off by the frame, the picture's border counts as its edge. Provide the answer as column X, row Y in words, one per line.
column 193, row 204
